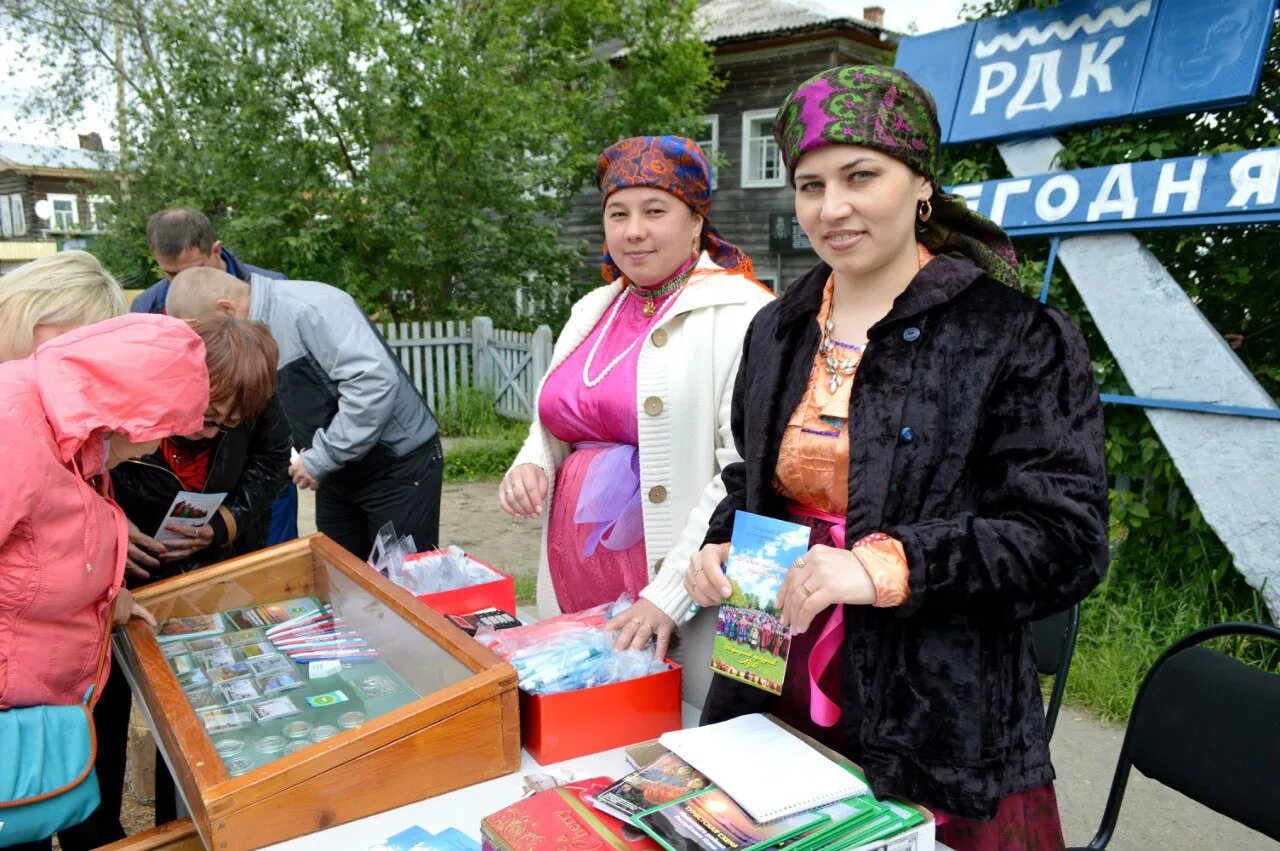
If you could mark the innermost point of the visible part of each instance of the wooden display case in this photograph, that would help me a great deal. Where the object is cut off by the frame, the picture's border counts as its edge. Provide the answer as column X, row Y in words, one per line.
column 462, row 729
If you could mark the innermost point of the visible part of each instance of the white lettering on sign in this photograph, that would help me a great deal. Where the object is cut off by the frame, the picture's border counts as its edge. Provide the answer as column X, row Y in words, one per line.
column 1042, row 69
column 1115, row 16
column 1043, row 78
column 1095, row 67
column 1008, row 73
column 1255, row 175
column 1051, row 212
column 971, row 193
column 1119, row 179
column 1003, row 190
column 1189, row 189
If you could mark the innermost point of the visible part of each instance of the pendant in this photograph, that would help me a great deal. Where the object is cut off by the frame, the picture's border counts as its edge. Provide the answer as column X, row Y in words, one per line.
column 834, row 384
column 649, row 309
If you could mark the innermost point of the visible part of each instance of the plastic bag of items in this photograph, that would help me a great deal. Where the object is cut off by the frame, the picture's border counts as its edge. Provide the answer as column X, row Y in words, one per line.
column 570, row 651
column 442, row 570
column 426, row 572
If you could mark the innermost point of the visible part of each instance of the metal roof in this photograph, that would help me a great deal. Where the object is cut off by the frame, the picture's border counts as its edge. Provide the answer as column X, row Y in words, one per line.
column 731, row 20
column 22, row 156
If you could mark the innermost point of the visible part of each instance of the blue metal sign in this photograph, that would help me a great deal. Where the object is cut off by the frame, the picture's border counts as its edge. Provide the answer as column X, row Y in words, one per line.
column 1220, row 189
column 1089, row 61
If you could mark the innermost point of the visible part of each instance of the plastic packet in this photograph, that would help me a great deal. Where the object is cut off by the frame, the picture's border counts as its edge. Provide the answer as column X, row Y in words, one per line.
column 570, row 652
column 442, row 570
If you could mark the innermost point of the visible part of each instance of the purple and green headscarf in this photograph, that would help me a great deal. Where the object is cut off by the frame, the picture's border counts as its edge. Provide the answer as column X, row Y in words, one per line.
column 673, row 164
column 882, row 108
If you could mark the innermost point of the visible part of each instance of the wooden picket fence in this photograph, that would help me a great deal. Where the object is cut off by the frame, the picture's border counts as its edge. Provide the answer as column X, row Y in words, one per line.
column 444, row 359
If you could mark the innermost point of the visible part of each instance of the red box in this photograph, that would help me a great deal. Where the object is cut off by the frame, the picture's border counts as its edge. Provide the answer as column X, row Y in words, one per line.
column 561, row 726
column 498, row 594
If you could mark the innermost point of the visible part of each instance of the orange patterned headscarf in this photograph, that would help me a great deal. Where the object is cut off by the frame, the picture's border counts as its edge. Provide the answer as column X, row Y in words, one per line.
column 673, row 164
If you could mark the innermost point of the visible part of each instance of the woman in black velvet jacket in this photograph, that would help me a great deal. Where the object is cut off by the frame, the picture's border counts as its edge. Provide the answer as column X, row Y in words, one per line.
column 976, row 496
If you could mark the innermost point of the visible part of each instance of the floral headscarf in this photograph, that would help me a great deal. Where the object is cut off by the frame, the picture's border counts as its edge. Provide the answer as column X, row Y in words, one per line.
column 883, row 108
column 673, row 164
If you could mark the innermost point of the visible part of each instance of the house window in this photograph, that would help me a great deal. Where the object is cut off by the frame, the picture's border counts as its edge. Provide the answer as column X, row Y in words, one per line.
column 97, row 204
column 761, row 162
column 770, row 281
column 710, row 143
column 66, row 211
column 17, row 213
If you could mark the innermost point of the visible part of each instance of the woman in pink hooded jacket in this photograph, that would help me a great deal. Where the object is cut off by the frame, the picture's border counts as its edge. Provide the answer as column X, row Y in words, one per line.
column 82, row 403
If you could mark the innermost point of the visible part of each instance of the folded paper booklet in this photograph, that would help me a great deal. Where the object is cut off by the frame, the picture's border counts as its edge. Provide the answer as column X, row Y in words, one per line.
column 711, row 821
column 562, row 817
column 188, row 509
column 765, row 767
column 667, row 779
column 751, row 643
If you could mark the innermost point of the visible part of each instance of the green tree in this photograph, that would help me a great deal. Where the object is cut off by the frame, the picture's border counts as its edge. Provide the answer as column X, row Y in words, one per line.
column 1229, row 273
column 419, row 155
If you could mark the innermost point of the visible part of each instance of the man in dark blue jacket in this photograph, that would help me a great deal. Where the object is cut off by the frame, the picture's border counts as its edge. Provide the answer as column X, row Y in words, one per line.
column 181, row 238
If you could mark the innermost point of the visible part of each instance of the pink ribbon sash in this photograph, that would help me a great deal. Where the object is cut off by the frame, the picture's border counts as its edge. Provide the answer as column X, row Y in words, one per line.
column 609, row 501
column 823, row 710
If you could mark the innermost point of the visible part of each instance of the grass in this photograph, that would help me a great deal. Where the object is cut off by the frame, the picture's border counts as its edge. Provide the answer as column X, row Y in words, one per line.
column 1151, row 599
column 526, row 589
column 743, row 657
column 482, row 443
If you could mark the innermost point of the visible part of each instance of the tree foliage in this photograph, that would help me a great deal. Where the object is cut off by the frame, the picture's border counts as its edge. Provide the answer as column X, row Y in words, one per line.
column 420, row 155
column 1229, row 273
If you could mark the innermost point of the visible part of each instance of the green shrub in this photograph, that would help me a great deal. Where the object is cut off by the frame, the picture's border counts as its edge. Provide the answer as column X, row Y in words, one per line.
column 1151, row 598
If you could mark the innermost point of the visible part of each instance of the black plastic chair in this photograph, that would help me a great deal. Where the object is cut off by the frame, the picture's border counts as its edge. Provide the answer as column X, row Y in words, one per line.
column 1053, row 640
column 1208, row 726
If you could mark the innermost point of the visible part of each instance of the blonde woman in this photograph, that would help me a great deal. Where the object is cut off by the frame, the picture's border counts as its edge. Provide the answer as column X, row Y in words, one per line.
column 51, row 296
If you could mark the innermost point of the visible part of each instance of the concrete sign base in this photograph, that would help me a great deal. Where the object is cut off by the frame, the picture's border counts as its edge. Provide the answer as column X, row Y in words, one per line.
column 1168, row 350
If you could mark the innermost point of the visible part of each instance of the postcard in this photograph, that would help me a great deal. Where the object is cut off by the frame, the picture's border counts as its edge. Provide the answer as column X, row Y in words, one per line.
column 197, row 626
column 188, row 509
column 276, row 707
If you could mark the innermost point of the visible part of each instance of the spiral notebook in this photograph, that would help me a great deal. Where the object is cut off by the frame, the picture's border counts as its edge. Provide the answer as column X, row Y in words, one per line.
column 767, row 770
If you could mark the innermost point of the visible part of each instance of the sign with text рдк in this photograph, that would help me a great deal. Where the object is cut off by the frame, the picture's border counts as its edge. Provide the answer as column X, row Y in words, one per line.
column 1089, row 62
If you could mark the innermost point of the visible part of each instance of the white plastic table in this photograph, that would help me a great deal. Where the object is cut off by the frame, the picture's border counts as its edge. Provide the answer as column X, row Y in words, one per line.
column 464, row 808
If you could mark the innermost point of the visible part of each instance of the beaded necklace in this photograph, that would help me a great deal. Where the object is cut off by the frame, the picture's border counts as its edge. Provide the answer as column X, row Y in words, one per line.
column 672, row 286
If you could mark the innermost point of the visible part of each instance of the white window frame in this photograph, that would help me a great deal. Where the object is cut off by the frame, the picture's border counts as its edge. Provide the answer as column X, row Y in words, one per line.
column 53, row 199
column 749, row 163
column 93, row 201
column 713, row 146
column 17, row 213
column 6, row 221
column 768, row 279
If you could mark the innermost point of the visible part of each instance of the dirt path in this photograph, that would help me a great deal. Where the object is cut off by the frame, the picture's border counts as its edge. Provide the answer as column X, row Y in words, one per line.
column 471, row 519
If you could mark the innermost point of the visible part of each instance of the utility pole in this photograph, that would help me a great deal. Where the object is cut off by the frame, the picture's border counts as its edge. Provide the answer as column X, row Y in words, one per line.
column 122, row 129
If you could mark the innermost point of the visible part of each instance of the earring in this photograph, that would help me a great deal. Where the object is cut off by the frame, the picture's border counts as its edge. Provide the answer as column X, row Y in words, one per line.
column 925, row 211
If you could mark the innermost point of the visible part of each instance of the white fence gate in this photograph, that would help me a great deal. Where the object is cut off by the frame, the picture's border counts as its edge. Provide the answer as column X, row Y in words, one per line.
column 444, row 359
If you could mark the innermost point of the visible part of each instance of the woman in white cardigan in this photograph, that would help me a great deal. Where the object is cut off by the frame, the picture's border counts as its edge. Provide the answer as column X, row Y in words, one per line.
column 631, row 427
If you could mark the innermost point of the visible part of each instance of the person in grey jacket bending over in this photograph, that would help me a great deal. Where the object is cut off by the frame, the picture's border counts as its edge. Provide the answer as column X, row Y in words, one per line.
column 368, row 443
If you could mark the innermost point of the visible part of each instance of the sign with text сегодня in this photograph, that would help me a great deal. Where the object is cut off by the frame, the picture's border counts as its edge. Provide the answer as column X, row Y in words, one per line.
column 1089, row 62
column 1217, row 189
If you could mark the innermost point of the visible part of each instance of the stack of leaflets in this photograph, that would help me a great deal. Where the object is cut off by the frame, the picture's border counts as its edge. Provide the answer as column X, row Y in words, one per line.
column 683, row 810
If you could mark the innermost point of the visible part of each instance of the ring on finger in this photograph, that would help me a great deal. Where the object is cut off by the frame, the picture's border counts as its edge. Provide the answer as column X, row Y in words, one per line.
column 519, row 485
column 511, row 491
column 800, row 563
column 804, row 586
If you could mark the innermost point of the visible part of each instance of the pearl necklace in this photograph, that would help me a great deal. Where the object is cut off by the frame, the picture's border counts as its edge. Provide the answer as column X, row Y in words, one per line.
column 678, row 281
